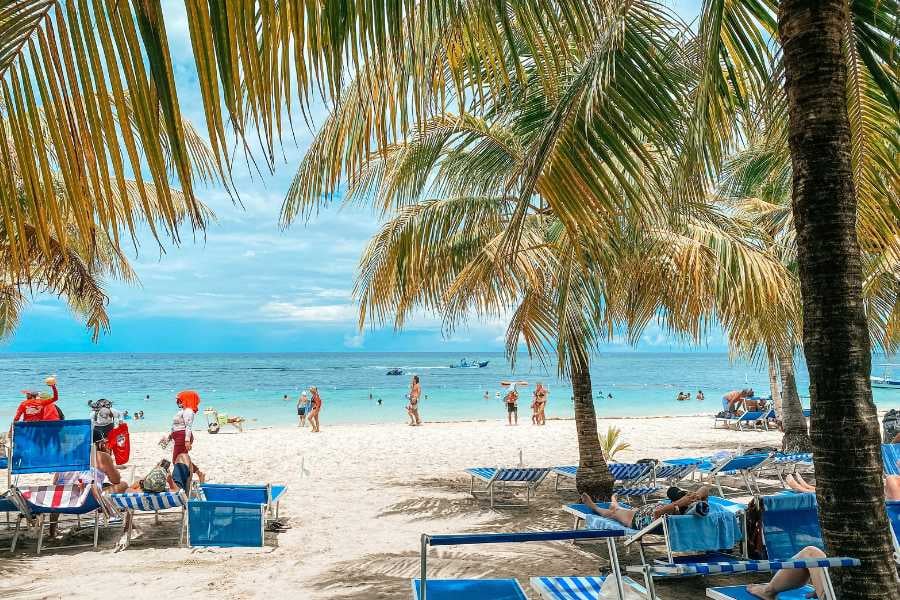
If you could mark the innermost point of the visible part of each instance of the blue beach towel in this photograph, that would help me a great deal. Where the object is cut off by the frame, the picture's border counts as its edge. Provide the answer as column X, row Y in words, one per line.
column 718, row 530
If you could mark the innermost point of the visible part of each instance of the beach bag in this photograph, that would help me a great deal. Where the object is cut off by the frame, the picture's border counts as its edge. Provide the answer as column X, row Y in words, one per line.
column 890, row 425
column 156, row 481
column 119, row 443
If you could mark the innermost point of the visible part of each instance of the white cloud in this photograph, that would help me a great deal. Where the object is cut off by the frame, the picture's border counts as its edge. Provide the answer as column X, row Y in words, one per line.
column 354, row 341
column 289, row 311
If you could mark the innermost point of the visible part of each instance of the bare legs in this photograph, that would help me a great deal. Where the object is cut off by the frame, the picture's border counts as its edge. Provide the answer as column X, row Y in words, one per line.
column 790, row 579
column 625, row 516
column 798, row 484
column 314, row 421
column 512, row 416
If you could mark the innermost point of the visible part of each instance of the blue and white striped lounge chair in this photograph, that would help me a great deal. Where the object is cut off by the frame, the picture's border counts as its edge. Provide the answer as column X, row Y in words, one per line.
column 576, row 588
column 893, row 512
column 783, row 464
column 671, row 473
column 631, row 479
column 504, row 589
column 143, row 502
column 709, row 536
column 54, row 447
column 890, row 455
column 746, row 467
column 499, row 479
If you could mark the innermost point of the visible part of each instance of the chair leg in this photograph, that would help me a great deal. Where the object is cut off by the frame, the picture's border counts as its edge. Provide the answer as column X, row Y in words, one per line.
column 96, row 528
column 40, row 540
column 15, row 540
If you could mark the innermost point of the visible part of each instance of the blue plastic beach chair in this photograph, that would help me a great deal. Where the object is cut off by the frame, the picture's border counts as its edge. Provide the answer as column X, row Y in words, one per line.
column 266, row 494
column 684, row 537
column 499, row 479
column 230, row 515
column 789, row 524
column 506, row 589
column 746, row 467
column 54, row 447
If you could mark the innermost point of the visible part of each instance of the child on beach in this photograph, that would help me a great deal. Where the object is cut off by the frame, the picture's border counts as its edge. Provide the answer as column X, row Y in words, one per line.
column 415, row 392
column 302, row 406
column 315, row 409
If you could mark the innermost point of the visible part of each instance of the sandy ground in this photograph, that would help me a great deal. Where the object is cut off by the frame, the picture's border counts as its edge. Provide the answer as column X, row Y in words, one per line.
column 365, row 495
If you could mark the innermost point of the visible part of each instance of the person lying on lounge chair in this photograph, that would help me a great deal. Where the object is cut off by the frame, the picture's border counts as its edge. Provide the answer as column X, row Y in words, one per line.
column 798, row 484
column 158, row 480
column 791, row 579
column 639, row 518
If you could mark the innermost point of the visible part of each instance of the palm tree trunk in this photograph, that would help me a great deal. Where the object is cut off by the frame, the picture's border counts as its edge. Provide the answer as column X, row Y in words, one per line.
column 796, row 436
column 845, row 432
column 773, row 385
column 593, row 475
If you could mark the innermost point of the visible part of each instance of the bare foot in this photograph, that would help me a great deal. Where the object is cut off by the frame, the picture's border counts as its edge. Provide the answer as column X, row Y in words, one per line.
column 588, row 501
column 760, row 590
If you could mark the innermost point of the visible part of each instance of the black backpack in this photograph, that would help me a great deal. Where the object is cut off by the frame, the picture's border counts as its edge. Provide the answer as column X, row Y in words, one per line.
column 890, row 425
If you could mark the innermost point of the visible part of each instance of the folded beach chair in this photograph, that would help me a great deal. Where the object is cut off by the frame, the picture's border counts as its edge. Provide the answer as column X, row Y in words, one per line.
column 500, row 479
column 54, row 447
column 890, row 455
column 712, row 537
column 509, row 589
column 144, row 502
column 631, row 479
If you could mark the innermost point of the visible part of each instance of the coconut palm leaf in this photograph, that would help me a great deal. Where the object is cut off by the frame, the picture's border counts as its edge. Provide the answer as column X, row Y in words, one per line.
column 87, row 94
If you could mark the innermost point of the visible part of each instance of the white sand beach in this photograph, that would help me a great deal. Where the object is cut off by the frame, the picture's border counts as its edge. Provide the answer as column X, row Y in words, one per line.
column 358, row 511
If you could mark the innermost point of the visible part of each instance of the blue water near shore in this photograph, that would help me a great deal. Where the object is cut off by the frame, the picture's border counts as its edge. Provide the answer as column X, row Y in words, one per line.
column 253, row 385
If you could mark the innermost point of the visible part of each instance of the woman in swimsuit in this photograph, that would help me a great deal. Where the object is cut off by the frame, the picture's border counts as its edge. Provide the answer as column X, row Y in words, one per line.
column 643, row 516
column 315, row 408
column 415, row 391
column 539, row 405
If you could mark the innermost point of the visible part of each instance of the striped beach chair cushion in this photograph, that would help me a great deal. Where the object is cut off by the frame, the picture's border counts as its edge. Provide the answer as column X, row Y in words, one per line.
column 620, row 471
column 803, row 457
column 567, row 471
column 753, row 566
column 56, row 496
column 523, row 475
column 567, row 588
column 644, row 490
column 149, row 502
column 675, row 471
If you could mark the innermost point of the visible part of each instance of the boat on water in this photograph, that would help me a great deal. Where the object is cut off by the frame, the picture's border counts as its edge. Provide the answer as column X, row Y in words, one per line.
column 886, row 380
column 395, row 371
column 464, row 364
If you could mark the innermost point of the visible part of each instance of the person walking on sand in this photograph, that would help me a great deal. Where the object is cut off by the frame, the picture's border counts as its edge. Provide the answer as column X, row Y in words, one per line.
column 315, row 409
column 412, row 409
column 182, row 424
column 302, row 407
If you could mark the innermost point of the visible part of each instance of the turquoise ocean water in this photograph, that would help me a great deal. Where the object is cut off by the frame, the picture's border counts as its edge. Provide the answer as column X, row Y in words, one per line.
column 253, row 385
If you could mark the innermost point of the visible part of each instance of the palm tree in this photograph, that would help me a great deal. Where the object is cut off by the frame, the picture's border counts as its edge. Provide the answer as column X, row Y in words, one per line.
column 816, row 41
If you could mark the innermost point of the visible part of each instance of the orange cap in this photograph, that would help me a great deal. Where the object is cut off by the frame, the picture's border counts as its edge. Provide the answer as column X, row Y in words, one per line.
column 189, row 399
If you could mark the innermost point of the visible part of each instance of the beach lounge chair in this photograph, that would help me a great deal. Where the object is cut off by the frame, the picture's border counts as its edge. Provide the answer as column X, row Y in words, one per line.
column 631, row 479
column 712, row 537
column 499, row 479
column 505, row 589
column 143, row 502
column 266, row 494
column 750, row 420
column 673, row 472
column 54, row 447
column 890, row 455
column 747, row 467
column 229, row 515
column 578, row 588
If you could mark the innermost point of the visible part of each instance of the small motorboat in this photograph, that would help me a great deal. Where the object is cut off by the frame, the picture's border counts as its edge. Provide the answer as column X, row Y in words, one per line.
column 395, row 371
column 464, row 364
column 886, row 380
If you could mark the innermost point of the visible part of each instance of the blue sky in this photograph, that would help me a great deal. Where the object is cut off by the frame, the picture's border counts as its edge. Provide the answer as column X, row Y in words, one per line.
column 247, row 286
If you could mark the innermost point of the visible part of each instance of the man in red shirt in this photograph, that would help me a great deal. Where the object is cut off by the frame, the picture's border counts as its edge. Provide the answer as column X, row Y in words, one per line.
column 37, row 408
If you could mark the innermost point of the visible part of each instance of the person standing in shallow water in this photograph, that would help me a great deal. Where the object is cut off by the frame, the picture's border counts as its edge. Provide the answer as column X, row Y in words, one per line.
column 315, row 409
column 412, row 409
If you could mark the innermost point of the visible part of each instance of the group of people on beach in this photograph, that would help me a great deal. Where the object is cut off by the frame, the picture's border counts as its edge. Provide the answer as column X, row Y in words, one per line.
column 308, row 408
column 683, row 396
column 538, row 402
column 175, row 475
